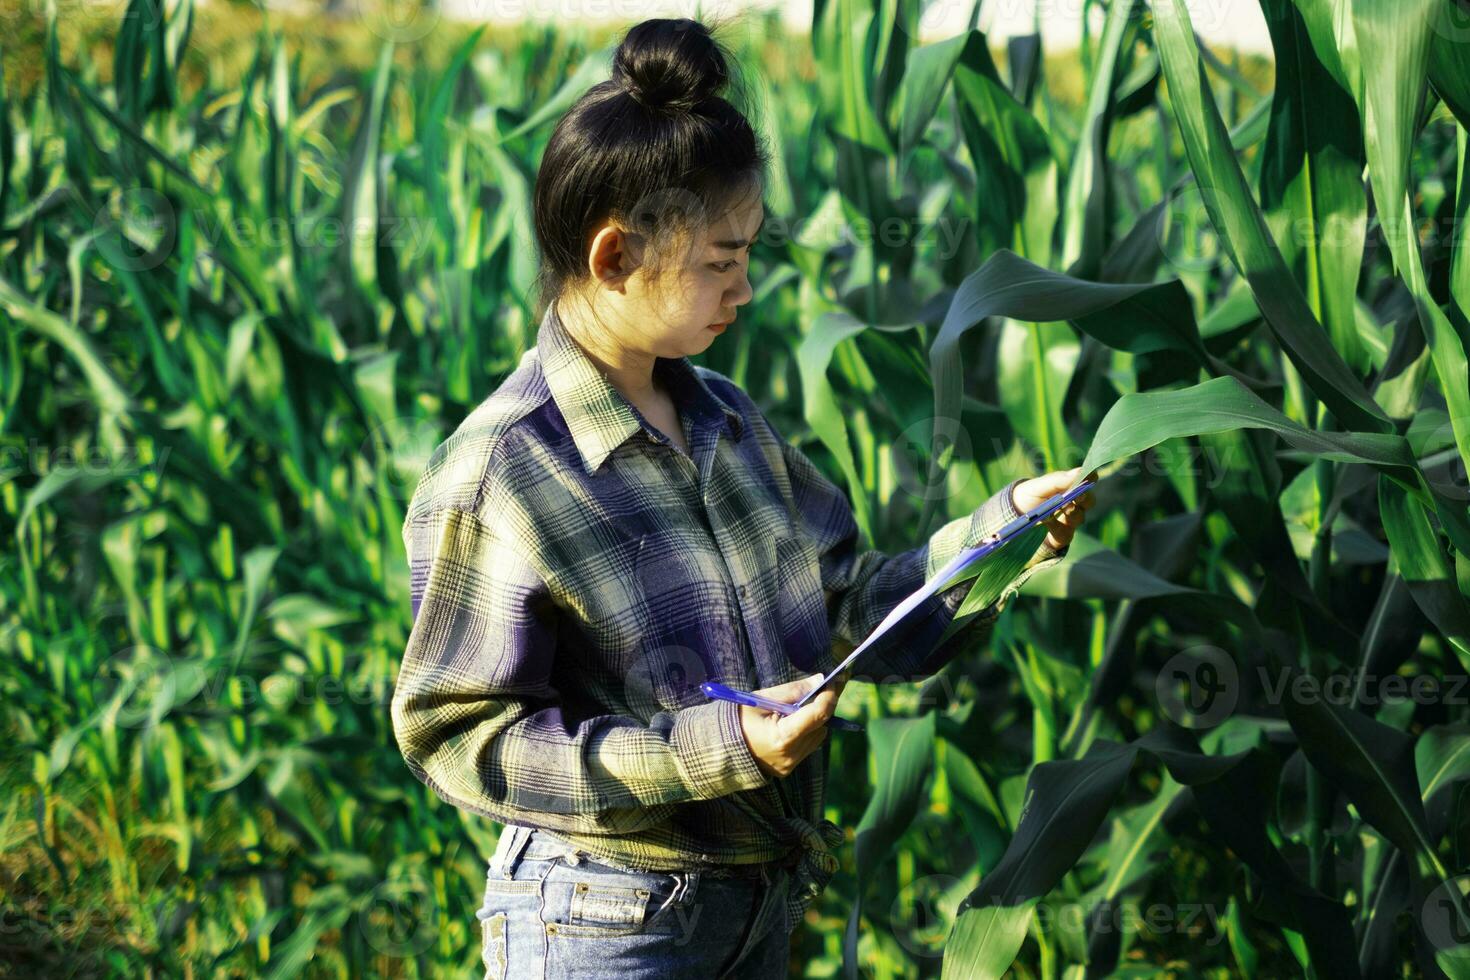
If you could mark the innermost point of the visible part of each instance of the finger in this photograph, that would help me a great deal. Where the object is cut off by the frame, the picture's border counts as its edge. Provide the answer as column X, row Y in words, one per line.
column 791, row 690
column 814, row 715
column 824, row 705
column 1062, row 479
column 1065, row 521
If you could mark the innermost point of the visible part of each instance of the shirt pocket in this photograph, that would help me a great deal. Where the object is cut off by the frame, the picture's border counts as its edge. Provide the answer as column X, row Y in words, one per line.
column 801, row 606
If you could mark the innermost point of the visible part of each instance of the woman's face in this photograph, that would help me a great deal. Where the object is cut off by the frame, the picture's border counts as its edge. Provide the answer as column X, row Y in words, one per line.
column 704, row 282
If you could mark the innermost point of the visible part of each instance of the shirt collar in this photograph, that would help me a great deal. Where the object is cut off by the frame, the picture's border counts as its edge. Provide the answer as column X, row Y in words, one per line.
column 598, row 416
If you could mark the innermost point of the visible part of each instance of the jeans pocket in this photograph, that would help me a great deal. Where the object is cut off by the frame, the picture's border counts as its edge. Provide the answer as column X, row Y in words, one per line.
column 492, row 946
column 516, row 897
column 595, row 900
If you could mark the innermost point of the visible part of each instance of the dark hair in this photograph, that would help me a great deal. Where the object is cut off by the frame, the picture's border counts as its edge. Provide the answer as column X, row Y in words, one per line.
column 656, row 148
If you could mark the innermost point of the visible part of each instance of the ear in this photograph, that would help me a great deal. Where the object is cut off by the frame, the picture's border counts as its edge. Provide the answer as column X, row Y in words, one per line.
column 614, row 254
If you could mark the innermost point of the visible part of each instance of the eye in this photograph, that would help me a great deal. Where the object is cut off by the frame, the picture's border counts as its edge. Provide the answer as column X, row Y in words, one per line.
column 724, row 266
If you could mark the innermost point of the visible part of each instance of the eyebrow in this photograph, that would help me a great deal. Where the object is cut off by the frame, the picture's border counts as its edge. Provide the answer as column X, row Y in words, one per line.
column 735, row 243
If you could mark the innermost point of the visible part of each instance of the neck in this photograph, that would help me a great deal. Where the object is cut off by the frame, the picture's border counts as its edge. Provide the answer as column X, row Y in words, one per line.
column 629, row 371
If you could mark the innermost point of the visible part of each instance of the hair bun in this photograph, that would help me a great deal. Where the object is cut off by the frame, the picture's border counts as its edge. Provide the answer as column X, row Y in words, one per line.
column 669, row 64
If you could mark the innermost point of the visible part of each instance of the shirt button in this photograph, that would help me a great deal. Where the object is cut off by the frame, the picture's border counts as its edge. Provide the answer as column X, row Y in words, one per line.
column 741, row 590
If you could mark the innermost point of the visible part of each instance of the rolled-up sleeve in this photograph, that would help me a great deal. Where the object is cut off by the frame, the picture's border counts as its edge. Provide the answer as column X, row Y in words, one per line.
column 479, row 720
column 863, row 586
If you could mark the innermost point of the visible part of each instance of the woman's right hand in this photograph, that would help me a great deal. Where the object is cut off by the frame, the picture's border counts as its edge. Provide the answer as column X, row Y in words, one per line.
column 779, row 742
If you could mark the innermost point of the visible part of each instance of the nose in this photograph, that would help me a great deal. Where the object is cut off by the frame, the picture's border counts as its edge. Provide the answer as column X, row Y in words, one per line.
column 740, row 293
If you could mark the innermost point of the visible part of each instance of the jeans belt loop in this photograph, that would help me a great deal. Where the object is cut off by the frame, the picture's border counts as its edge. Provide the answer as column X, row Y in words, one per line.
column 685, row 882
column 516, row 849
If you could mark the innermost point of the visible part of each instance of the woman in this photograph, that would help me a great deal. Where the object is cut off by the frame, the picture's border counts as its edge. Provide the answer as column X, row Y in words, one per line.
column 614, row 526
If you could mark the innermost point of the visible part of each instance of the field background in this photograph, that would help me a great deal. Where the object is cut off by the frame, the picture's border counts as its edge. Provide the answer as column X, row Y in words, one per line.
column 220, row 385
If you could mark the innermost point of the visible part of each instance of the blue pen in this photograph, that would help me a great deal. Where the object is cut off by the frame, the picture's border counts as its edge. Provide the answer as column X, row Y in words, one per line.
column 723, row 693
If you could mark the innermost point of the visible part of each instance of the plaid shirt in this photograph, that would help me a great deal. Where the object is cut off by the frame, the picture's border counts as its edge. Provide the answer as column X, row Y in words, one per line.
column 575, row 577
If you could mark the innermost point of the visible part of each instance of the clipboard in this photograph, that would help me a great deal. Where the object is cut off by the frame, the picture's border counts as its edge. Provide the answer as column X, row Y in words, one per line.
column 942, row 578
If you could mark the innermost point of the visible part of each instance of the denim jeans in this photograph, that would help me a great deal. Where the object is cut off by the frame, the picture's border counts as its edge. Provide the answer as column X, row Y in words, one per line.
column 551, row 912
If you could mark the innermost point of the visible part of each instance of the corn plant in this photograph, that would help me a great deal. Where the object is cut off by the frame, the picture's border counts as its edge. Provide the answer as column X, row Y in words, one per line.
column 1270, row 337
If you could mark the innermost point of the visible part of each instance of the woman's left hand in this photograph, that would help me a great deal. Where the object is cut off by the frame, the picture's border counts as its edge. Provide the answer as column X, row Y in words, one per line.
column 1061, row 525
